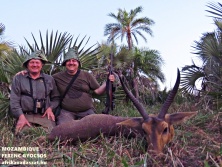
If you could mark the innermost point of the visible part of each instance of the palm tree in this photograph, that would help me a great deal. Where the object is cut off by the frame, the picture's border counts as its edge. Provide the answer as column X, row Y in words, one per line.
column 209, row 52
column 53, row 47
column 5, row 46
column 10, row 65
column 148, row 62
column 57, row 44
column 216, row 10
column 209, row 74
column 122, row 58
column 146, row 71
column 5, row 50
column 128, row 25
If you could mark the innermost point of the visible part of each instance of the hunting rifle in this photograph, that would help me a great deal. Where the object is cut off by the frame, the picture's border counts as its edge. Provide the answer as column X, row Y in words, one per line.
column 110, row 89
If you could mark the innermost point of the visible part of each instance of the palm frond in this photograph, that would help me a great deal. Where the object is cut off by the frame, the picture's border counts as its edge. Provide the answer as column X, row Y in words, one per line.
column 189, row 77
column 216, row 10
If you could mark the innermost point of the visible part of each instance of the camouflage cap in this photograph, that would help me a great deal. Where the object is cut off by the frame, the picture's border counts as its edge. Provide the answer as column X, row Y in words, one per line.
column 36, row 55
column 71, row 54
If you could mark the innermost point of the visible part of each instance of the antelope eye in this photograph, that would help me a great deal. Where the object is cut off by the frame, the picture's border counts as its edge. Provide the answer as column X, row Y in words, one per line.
column 165, row 131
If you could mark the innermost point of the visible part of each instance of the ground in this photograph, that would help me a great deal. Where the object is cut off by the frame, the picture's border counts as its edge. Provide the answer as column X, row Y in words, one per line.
column 197, row 142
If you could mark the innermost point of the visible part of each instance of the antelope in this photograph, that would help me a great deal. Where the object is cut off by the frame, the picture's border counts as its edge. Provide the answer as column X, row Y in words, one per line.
column 158, row 130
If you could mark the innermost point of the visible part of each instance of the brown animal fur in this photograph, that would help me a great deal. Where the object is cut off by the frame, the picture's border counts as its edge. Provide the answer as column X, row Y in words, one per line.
column 157, row 132
column 91, row 126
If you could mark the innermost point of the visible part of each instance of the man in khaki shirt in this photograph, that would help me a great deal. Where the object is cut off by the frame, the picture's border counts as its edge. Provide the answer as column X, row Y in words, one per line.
column 78, row 102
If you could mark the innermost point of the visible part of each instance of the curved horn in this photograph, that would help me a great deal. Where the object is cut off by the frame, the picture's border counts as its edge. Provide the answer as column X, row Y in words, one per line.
column 136, row 103
column 170, row 97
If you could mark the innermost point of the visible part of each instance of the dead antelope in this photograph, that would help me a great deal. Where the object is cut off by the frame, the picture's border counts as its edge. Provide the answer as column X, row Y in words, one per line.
column 158, row 130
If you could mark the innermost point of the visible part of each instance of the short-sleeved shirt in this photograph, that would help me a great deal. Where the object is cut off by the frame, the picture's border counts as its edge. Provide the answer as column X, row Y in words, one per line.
column 20, row 99
column 79, row 96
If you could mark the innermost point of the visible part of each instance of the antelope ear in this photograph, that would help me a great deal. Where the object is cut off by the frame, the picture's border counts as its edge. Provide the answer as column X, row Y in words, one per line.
column 133, row 123
column 179, row 117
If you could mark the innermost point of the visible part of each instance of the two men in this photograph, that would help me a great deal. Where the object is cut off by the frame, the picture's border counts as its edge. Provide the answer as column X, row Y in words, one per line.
column 30, row 87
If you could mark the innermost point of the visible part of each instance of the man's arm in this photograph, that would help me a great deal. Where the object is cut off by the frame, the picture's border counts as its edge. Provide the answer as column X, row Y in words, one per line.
column 15, row 106
column 54, row 101
column 54, row 95
column 101, row 89
column 15, row 98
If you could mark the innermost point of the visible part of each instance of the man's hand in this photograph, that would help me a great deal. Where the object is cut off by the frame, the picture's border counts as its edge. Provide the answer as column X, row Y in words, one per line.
column 23, row 72
column 49, row 114
column 102, row 88
column 22, row 121
column 112, row 78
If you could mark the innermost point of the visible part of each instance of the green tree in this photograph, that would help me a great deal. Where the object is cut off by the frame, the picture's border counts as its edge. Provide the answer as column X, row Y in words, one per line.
column 5, row 46
column 122, row 58
column 5, row 50
column 53, row 45
column 146, row 71
column 128, row 25
column 209, row 52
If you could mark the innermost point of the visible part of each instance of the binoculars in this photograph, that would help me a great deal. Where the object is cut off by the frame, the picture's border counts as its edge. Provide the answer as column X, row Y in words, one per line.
column 39, row 106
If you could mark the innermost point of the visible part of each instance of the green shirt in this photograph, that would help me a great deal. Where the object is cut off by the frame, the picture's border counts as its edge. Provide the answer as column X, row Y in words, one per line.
column 78, row 97
column 20, row 102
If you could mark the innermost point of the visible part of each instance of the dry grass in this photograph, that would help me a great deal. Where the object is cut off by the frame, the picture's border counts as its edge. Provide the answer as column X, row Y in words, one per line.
column 196, row 143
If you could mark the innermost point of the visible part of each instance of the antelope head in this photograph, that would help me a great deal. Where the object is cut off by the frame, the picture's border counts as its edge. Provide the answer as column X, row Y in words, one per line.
column 158, row 129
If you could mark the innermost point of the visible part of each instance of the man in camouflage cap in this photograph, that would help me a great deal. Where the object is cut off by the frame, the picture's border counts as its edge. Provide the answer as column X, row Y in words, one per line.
column 78, row 102
column 38, row 54
column 71, row 54
column 34, row 95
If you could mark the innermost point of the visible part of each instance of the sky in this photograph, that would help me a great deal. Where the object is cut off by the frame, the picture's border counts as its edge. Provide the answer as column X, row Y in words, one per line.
column 177, row 24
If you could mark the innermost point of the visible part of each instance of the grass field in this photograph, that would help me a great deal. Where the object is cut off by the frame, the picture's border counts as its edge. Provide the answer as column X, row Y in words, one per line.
column 197, row 142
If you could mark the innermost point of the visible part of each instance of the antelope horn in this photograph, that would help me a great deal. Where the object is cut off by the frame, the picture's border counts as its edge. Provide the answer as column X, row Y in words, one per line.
column 170, row 97
column 136, row 103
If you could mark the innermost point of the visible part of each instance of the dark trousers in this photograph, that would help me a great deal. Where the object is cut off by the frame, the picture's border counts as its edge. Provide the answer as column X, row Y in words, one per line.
column 66, row 116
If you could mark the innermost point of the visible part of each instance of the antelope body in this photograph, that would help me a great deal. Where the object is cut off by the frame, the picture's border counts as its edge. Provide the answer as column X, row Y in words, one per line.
column 158, row 130
column 91, row 126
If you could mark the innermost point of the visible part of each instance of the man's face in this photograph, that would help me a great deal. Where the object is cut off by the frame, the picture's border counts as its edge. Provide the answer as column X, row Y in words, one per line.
column 72, row 65
column 34, row 66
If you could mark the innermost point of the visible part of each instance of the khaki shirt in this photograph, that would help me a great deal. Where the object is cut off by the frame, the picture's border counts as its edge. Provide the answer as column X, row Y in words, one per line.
column 21, row 103
column 79, row 97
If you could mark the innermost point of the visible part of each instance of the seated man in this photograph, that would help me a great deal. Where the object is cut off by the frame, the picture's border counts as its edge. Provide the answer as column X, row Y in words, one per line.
column 34, row 95
column 78, row 102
